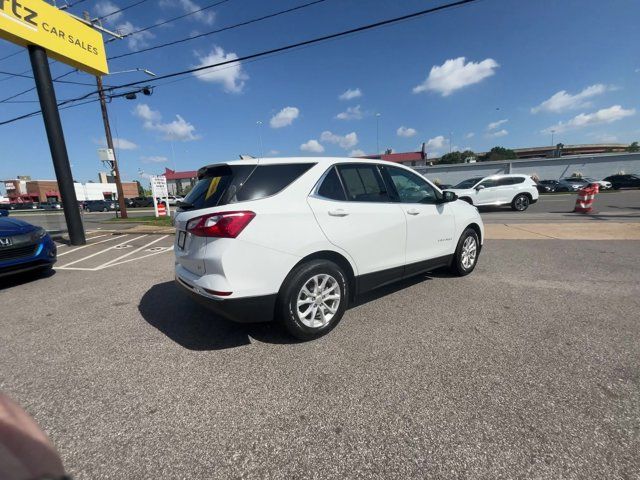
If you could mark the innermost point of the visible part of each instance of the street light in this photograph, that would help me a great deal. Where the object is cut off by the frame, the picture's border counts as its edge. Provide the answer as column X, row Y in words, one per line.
column 259, row 124
column 377, row 133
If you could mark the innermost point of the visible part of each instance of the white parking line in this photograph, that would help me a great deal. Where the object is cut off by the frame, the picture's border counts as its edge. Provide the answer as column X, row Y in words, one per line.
column 104, row 265
column 115, row 237
column 100, row 252
column 140, row 258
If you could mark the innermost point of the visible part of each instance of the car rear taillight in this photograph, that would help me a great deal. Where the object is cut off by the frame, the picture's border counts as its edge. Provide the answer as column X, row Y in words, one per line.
column 222, row 224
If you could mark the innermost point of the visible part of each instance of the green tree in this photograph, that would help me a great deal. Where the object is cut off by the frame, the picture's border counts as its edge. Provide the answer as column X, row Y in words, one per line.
column 634, row 147
column 451, row 157
column 140, row 189
column 500, row 153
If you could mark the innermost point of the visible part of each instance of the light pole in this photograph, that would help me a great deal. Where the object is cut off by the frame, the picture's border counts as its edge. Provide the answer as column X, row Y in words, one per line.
column 552, row 132
column 107, row 131
column 378, row 133
column 259, row 124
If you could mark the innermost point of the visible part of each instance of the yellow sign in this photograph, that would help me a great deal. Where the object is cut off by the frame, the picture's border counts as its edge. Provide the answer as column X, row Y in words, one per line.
column 34, row 22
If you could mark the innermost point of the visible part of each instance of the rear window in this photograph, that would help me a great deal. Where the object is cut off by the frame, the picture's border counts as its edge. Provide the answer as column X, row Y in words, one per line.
column 227, row 184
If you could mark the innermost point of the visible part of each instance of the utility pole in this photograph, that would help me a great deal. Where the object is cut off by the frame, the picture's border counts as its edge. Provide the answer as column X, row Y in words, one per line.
column 107, row 131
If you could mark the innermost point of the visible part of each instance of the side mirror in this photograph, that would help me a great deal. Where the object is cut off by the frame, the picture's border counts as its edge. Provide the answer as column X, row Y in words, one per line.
column 480, row 187
column 448, row 197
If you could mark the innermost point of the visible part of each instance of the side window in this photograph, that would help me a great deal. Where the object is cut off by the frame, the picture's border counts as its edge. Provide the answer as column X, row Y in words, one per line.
column 331, row 187
column 363, row 183
column 489, row 182
column 410, row 187
column 267, row 180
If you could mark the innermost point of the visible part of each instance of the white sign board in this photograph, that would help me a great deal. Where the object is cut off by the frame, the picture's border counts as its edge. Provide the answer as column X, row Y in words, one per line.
column 106, row 155
column 159, row 190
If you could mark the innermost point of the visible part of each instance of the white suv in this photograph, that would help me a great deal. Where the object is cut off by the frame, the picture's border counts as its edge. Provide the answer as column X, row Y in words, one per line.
column 296, row 239
column 519, row 191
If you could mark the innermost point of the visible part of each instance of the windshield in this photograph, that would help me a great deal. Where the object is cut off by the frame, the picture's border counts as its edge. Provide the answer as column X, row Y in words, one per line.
column 468, row 183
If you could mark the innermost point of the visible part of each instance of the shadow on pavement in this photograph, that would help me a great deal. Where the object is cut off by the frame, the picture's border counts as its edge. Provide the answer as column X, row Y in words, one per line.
column 194, row 327
column 23, row 278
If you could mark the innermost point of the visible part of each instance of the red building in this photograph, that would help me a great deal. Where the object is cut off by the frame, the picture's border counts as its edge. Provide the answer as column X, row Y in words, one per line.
column 178, row 183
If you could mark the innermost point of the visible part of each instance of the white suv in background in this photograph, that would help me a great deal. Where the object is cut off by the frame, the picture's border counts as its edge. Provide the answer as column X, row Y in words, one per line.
column 295, row 239
column 519, row 191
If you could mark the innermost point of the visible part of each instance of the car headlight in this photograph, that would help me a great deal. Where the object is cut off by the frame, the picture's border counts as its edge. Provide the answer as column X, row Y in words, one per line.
column 38, row 234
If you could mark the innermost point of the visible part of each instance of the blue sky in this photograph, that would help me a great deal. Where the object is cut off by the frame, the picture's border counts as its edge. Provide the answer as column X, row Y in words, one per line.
column 497, row 72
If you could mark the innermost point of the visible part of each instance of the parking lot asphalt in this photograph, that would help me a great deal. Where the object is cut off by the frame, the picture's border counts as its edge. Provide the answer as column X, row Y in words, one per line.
column 618, row 206
column 528, row 368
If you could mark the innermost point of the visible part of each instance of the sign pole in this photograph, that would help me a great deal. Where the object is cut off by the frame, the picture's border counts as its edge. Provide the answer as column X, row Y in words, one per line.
column 53, row 126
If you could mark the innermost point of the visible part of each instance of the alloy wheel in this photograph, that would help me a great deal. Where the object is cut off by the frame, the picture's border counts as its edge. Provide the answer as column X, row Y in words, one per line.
column 318, row 300
column 469, row 252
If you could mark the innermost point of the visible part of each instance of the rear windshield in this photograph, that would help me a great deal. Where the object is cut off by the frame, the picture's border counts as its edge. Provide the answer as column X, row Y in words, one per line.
column 225, row 184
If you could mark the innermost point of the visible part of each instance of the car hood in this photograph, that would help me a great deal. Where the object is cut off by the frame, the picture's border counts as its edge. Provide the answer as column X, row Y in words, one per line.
column 13, row 226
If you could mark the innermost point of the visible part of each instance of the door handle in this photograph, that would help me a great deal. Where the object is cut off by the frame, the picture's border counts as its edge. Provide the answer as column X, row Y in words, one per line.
column 413, row 211
column 338, row 212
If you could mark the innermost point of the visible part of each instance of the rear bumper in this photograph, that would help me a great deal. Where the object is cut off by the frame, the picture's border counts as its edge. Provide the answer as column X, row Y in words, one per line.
column 241, row 310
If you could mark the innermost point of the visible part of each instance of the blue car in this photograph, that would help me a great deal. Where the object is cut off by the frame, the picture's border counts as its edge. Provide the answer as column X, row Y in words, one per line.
column 24, row 247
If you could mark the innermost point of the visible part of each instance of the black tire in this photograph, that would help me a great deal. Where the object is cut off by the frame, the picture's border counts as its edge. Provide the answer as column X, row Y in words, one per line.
column 303, row 275
column 521, row 202
column 458, row 265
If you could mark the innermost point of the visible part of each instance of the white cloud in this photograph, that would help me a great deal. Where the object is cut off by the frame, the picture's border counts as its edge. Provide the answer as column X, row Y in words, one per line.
column 563, row 101
column 347, row 141
column 470, row 135
column 188, row 6
column 498, row 134
column 604, row 137
column 356, row 153
column 124, row 144
column 455, row 74
column 230, row 76
column 106, row 8
column 494, row 125
column 154, row 159
column 312, row 146
column 603, row 116
column 350, row 94
column 274, row 152
column 178, row 130
column 135, row 41
column 436, row 143
column 351, row 113
column 406, row 132
column 118, row 143
column 284, row 117
column 145, row 112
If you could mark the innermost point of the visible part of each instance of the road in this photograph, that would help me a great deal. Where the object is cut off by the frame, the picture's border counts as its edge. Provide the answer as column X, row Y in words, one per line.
column 528, row 368
column 621, row 206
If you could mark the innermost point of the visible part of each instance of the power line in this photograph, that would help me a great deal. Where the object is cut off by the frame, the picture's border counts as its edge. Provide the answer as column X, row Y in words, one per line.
column 33, row 88
column 264, row 53
column 120, row 10
column 230, row 27
column 11, row 55
column 164, row 22
column 304, row 43
column 59, row 81
column 71, row 5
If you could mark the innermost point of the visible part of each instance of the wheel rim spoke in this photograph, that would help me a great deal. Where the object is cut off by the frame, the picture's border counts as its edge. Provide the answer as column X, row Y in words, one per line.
column 318, row 300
